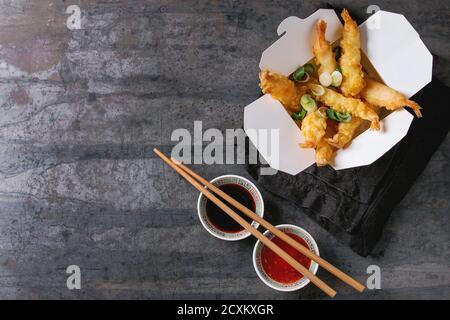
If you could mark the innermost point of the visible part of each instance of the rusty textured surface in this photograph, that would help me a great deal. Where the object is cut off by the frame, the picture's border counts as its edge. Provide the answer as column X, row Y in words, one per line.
column 79, row 110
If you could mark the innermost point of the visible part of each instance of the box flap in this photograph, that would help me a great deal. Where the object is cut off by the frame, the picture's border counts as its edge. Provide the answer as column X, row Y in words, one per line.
column 371, row 145
column 266, row 116
column 396, row 51
column 293, row 49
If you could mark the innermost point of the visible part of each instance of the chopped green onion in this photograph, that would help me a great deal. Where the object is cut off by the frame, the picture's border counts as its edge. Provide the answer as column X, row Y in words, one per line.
column 298, row 116
column 325, row 79
column 299, row 74
column 323, row 112
column 317, row 89
column 340, row 117
column 306, row 78
column 309, row 68
column 336, row 77
column 308, row 103
column 303, row 73
column 344, row 117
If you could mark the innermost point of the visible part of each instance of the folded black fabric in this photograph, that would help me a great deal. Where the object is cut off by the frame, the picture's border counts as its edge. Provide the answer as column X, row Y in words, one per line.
column 354, row 204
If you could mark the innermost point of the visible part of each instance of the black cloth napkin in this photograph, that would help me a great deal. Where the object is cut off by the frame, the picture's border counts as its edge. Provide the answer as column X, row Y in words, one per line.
column 354, row 204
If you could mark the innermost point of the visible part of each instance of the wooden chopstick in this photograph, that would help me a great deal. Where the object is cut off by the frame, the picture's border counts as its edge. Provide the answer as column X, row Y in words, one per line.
column 272, row 246
column 280, row 234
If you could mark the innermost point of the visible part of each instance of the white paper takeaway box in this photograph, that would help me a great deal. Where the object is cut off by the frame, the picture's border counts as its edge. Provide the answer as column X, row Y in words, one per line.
column 392, row 46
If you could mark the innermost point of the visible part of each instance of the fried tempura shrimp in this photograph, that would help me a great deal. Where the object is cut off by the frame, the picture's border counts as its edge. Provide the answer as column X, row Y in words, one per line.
column 281, row 88
column 346, row 131
column 380, row 95
column 324, row 153
column 350, row 61
column 355, row 107
column 313, row 128
column 322, row 50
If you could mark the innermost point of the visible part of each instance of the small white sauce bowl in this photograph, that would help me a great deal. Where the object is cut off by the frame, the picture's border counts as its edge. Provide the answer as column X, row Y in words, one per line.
column 257, row 263
column 230, row 179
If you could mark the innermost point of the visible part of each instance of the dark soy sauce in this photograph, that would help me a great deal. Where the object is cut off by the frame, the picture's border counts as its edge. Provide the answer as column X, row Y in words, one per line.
column 220, row 219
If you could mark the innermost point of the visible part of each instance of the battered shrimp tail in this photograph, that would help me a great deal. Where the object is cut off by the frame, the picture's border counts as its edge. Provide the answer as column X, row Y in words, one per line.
column 324, row 153
column 321, row 28
column 308, row 144
column 375, row 125
column 348, row 19
column 416, row 108
column 322, row 50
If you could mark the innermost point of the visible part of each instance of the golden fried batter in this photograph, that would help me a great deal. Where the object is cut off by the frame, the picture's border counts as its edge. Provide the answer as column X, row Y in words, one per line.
column 380, row 95
column 281, row 88
column 346, row 131
column 313, row 128
column 324, row 153
column 355, row 107
column 322, row 50
column 350, row 61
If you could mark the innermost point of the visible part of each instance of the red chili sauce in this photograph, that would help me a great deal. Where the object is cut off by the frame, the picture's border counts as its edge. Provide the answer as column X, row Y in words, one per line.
column 278, row 269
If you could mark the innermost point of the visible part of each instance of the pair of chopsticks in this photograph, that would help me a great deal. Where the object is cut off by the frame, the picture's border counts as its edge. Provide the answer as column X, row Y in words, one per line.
column 199, row 183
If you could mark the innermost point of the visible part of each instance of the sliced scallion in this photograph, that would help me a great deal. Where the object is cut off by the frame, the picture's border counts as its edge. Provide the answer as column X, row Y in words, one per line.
column 299, row 74
column 325, row 79
column 303, row 73
column 298, row 116
column 309, row 68
column 336, row 77
column 338, row 116
column 308, row 103
column 317, row 89
column 306, row 78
